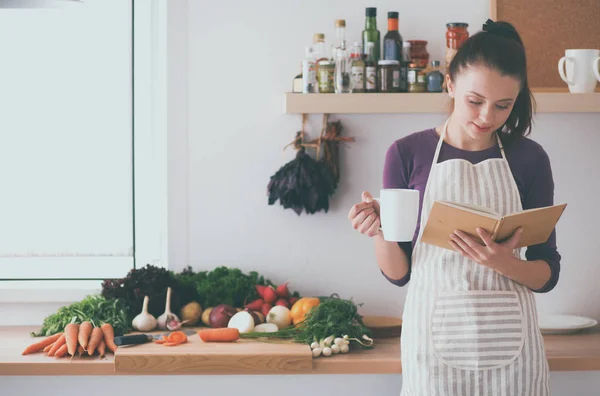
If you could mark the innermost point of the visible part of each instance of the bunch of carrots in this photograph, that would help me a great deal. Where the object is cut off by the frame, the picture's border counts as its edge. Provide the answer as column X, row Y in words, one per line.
column 77, row 338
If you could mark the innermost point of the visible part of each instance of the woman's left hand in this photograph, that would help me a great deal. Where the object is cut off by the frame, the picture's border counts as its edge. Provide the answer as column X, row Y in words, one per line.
column 491, row 254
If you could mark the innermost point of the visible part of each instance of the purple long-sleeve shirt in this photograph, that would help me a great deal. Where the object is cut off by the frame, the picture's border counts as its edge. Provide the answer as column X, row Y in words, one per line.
column 408, row 162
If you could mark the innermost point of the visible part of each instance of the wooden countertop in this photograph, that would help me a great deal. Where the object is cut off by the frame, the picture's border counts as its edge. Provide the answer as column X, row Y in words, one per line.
column 574, row 352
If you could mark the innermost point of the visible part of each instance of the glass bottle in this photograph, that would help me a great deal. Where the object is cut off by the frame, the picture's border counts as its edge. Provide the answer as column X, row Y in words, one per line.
column 342, row 72
column 392, row 41
column 340, row 34
column 370, row 69
column 309, row 72
column 371, row 34
column 406, row 60
column 357, row 67
column 435, row 78
column 319, row 48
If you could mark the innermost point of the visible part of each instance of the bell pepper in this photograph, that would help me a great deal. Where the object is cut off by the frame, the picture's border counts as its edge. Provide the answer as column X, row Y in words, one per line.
column 301, row 308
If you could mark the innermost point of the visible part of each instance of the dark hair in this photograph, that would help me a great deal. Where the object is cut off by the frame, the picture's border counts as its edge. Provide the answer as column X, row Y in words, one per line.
column 500, row 47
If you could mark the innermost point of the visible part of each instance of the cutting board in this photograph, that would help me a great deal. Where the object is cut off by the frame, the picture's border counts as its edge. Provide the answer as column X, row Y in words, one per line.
column 198, row 357
column 383, row 326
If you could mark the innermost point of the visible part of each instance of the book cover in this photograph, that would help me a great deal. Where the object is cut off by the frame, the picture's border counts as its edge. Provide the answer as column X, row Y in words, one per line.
column 446, row 217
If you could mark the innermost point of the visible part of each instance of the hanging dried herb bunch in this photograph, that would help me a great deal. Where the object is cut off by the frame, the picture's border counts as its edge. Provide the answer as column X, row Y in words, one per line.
column 305, row 183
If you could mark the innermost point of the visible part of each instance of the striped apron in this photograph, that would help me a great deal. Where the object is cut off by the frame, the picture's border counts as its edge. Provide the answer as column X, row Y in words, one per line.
column 467, row 330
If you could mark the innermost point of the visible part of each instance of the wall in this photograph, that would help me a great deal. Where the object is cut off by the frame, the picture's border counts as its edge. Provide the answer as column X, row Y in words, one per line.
column 239, row 68
column 231, row 62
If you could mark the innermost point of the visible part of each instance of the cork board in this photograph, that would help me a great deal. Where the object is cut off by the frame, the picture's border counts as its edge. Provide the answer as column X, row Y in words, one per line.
column 547, row 28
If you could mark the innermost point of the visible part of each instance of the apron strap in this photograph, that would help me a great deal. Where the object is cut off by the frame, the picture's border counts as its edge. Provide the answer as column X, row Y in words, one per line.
column 439, row 145
column 500, row 145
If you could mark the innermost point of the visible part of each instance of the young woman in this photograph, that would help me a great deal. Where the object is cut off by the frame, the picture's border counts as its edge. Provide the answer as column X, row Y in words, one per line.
column 470, row 321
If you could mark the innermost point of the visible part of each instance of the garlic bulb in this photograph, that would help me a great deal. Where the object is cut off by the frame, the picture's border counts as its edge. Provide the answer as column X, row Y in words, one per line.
column 168, row 320
column 144, row 321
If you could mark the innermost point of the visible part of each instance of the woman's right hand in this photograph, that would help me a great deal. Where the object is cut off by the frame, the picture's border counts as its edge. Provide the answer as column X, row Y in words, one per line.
column 365, row 216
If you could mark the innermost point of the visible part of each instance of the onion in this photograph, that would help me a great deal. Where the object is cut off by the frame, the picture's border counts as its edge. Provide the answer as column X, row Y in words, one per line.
column 220, row 315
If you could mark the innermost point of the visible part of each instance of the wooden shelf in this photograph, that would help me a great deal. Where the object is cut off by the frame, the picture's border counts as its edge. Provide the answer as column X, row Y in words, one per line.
column 548, row 101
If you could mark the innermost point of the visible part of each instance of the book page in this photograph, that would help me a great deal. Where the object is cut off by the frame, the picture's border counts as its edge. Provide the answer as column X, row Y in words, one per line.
column 473, row 208
column 537, row 224
column 444, row 219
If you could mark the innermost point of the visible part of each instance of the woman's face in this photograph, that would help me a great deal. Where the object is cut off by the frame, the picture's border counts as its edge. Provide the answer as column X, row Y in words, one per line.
column 483, row 100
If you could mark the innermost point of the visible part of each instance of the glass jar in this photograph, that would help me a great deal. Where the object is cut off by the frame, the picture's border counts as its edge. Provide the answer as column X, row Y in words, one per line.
column 456, row 35
column 389, row 76
column 418, row 52
column 435, row 78
column 416, row 78
column 326, row 71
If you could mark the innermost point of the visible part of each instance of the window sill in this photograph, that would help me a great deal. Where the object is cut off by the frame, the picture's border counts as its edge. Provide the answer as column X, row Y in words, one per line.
column 24, row 292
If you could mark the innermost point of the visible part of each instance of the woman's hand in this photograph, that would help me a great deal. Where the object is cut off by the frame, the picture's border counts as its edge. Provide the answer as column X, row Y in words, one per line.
column 491, row 254
column 365, row 216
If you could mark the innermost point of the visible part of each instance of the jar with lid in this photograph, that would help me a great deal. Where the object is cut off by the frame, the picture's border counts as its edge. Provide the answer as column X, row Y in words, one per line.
column 435, row 78
column 416, row 78
column 456, row 35
column 418, row 52
column 326, row 74
column 389, row 76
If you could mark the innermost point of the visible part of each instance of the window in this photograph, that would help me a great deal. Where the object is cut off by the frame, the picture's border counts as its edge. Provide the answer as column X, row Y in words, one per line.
column 82, row 140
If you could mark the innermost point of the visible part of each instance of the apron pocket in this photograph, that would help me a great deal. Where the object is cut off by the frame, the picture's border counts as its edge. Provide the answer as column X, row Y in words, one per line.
column 477, row 330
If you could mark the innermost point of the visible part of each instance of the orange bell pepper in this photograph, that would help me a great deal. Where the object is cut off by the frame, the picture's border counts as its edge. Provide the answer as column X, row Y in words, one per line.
column 301, row 308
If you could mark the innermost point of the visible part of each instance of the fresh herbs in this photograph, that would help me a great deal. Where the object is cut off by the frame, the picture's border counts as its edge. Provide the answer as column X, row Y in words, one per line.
column 95, row 309
column 334, row 316
column 148, row 281
column 223, row 285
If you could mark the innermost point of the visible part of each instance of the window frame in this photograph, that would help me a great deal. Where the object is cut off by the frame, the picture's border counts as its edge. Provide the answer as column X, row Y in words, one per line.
column 149, row 138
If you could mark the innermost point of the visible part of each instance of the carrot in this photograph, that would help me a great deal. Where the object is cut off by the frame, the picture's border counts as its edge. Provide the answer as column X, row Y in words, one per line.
column 62, row 351
column 109, row 336
column 71, row 333
column 59, row 343
column 101, row 348
column 172, row 343
column 225, row 334
column 85, row 330
column 95, row 338
column 159, row 341
column 80, row 350
column 48, row 347
column 177, row 336
column 40, row 345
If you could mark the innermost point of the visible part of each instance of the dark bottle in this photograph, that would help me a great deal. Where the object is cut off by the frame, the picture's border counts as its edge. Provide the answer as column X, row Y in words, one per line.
column 392, row 42
column 371, row 34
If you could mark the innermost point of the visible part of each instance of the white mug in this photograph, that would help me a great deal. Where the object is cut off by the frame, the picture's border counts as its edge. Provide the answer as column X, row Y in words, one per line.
column 582, row 69
column 399, row 211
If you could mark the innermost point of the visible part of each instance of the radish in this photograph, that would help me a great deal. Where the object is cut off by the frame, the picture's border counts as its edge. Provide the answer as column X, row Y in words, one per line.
column 292, row 300
column 256, row 304
column 269, row 295
column 283, row 302
column 265, row 309
column 280, row 316
column 282, row 290
column 260, row 289
column 243, row 321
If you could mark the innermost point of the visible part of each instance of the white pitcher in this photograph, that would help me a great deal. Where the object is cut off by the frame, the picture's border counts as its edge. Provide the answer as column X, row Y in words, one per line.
column 582, row 72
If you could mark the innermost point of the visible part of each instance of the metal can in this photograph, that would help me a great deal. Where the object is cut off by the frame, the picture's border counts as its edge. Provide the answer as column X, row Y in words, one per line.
column 416, row 78
column 326, row 74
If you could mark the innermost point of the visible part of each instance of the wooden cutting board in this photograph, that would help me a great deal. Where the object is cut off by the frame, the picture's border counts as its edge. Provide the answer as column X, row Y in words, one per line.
column 198, row 357
column 384, row 326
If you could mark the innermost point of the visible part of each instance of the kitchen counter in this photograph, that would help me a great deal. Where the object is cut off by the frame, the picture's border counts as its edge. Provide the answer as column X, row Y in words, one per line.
column 575, row 352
